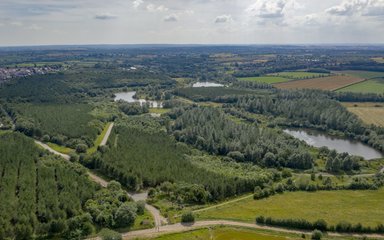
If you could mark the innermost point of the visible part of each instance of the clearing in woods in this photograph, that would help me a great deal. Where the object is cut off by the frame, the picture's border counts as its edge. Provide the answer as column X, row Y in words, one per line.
column 325, row 83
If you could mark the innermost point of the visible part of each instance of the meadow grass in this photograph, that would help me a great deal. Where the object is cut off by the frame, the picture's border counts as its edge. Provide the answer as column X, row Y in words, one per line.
column 265, row 79
column 159, row 110
column 98, row 140
column 225, row 233
column 60, row 149
column 366, row 207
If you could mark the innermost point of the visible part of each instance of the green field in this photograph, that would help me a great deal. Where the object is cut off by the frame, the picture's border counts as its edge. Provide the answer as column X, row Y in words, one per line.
column 299, row 75
column 363, row 74
column 225, row 233
column 265, row 79
column 369, row 86
column 365, row 207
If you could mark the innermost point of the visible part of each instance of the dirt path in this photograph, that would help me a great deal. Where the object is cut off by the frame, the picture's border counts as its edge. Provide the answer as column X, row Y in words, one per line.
column 105, row 139
column 46, row 147
column 153, row 232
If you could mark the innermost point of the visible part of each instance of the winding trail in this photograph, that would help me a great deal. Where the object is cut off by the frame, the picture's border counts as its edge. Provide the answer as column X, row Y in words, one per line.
column 180, row 227
column 157, row 217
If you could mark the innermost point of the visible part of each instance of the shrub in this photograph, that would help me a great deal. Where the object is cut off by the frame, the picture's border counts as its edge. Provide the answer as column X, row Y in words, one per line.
column 108, row 234
column 316, row 235
column 187, row 217
column 140, row 207
column 260, row 220
column 81, row 148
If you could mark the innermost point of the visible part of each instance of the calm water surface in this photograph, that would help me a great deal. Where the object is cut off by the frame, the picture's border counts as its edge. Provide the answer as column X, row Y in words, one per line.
column 128, row 97
column 207, row 84
column 319, row 139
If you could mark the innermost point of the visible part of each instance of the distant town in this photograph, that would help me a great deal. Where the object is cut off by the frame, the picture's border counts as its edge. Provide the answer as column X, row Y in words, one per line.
column 13, row 72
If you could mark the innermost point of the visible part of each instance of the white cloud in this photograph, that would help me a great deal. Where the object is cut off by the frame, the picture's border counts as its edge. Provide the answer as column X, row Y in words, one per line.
column 153, row 8
column 136, row 4
column 105, row 16
column 16, row 24
column 271, row 8
column 171, row 18
column 35, row 27
column 348, row 7
column 224, row 19
column 375, row 8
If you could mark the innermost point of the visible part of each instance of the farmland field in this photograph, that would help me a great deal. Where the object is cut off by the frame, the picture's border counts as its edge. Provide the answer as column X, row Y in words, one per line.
column 224, row 233
column 370, row 113
column 325, row 83
column 366, row 207
column 369, row 86
column 362, row 74
column 299, row 75
column 265, row 79
column 378, row 59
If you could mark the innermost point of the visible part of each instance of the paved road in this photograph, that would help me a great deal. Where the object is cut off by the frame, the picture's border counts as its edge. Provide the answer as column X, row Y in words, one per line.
column 105, row 139
column 202, row 224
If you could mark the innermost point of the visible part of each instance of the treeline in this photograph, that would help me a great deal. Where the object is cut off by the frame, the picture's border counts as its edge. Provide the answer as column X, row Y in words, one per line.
column 322, row 225
column 40, row 195
column 139, row 157
column 210, row 129
column 312, row 109
column 133, row 108
column 77, row 84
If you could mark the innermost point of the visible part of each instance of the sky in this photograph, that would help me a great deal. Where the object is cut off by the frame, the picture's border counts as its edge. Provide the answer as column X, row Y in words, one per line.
column 59, row 22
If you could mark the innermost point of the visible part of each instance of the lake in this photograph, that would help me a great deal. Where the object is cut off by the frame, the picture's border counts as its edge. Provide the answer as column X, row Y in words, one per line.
column 207, row 84
column 319, row 139
column 128, row 97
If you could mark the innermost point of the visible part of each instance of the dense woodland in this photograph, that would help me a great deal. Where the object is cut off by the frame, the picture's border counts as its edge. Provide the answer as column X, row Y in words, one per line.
column 209, row 129
column 143, row 157
column 40, row 194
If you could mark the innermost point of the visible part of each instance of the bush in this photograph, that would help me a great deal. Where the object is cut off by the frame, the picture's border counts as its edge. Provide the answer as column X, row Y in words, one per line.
column 108, row 234
column 81, row 148
column 260, row 220
column 126, row 214
column 187, row 217
column 140, row 207
column 316, row 235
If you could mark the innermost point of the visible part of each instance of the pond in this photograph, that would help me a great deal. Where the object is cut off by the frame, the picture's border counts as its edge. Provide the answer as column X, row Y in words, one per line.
column 128, row 97
column 207, row 84
column 341, row 145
